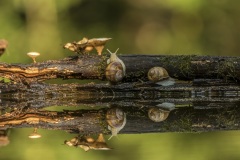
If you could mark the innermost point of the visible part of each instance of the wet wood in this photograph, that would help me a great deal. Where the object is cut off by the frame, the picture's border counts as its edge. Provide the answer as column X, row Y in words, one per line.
column 202, row 93
column 182, row 67
column 181, row 119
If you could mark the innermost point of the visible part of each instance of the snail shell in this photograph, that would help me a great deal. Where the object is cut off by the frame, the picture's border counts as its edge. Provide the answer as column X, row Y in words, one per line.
column 157, row 114
column 160, row 76
column 114, row 72
column 116, row 120
column 116, row 69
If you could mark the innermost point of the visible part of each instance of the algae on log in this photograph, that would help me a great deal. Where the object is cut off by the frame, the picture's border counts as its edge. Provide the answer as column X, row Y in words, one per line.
column 182, row 67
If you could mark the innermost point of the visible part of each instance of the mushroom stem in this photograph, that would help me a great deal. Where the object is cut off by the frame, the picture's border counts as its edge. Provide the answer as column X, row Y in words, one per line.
column 34, row 60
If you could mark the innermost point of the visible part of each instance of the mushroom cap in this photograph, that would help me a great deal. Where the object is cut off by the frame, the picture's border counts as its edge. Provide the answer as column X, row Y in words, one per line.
column 100, row 146
column 33, row 54
column 3, row 43
column 4, row 141
column 34, row 136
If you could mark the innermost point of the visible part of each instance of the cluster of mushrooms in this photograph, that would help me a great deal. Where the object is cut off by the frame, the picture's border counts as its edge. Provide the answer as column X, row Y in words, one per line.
column 87, row 143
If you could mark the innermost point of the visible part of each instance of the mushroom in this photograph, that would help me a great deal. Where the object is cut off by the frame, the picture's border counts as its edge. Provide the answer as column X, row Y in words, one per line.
column 100, row 144
column 34, row 135
column 33, row 55
column 4, row 141
column 3, row 46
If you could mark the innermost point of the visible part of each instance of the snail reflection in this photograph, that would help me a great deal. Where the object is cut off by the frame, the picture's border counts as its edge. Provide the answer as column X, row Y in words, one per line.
column 87, row 143
column 160, row 112
column 116, row 120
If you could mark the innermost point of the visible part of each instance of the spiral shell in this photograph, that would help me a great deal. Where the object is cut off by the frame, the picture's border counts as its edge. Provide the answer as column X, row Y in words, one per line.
column 156, row 74
column 157, row 114
column 116, row 69
column 116, row 120
column 159, row 75
column 114, row 72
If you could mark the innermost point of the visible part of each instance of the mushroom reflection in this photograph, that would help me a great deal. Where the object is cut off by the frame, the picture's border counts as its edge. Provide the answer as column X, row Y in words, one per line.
column 87, row 143
column 34, row 135
column 4, row 141
column 161, row 112
column 116, row 120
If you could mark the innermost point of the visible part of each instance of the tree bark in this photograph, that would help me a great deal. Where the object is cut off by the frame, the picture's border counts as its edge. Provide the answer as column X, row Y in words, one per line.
column 182, row 67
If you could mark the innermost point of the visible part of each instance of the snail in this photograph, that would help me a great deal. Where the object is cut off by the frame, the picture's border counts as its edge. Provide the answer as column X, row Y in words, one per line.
column 161, row 112
column 157, row 114
column 116, row 120
column 116, row 69
column 160, row 76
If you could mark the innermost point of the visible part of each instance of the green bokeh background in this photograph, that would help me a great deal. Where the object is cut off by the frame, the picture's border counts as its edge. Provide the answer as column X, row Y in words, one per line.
column 204, row 27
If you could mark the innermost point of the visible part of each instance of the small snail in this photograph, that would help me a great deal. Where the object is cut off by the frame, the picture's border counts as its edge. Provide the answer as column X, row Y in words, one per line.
column 161, row 112
column 116, row 120
column 157, row 114
column 116, row 69
column 160, row 76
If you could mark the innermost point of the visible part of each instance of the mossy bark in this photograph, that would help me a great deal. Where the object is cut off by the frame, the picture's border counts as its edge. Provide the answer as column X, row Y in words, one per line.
column 182, row 67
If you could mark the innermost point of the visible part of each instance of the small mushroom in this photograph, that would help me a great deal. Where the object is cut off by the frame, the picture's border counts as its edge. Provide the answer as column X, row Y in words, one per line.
column 70, row 46
column 100, row 143
column 34, row 135
column 87, row 143
column 33, row 55
column 3, row 46
column 4, row 140
column 72, row 142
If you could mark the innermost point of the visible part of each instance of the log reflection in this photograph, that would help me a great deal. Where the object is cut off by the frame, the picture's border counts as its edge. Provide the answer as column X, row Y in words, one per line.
column 95, row 121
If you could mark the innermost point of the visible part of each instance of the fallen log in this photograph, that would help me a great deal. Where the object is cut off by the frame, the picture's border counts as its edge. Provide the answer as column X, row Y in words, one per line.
column 182, row 67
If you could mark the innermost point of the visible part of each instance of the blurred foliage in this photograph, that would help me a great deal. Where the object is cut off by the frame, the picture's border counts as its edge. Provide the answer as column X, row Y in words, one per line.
column 137, row 26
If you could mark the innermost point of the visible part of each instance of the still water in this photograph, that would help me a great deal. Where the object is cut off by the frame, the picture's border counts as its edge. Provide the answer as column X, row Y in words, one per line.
column 200, row 146
column 186, row 133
